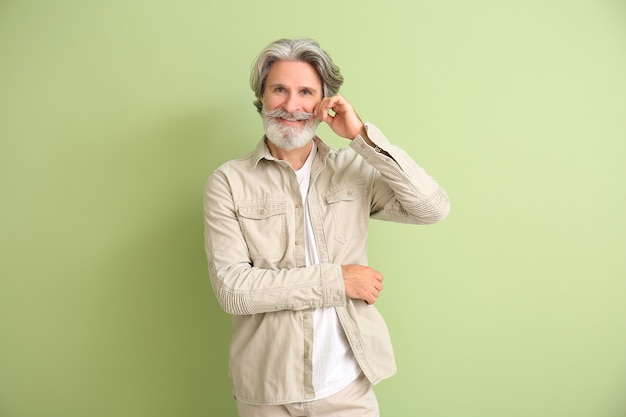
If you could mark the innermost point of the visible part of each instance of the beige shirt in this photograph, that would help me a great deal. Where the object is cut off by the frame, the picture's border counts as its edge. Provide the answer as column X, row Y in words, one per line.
column 254, row 240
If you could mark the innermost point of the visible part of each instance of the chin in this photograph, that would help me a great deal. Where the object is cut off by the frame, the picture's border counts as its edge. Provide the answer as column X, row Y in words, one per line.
column 289, row 144
column 289, row 138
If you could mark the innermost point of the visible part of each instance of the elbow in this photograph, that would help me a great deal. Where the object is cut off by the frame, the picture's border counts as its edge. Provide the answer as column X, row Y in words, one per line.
column 440, row 214
column 232, row 302
column 442, row 208
column 225, row 305
column 434, row 209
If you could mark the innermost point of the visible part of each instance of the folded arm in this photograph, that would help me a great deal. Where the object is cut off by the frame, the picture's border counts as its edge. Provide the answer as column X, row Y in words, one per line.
column 244, row 289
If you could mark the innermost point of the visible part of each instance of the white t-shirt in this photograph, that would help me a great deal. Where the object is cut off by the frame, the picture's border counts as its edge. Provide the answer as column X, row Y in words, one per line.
column 334, row 365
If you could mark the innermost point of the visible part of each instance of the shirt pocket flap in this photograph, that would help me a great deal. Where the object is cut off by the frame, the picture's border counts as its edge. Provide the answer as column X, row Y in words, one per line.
column 262, row 211
column 346, row 194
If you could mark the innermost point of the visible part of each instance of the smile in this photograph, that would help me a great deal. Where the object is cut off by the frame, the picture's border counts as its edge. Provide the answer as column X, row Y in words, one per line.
column 291, row 122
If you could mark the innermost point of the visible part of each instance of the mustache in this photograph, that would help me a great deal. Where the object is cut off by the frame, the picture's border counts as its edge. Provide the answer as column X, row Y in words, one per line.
column 291, row 116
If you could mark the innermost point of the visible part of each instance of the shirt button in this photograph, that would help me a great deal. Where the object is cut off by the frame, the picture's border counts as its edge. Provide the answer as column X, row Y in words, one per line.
column 262, row 211
column 298, row 205
column 297, row 242
column 306, row 316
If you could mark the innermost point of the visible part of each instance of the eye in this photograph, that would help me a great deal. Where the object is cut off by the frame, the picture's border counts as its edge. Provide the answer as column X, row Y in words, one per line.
column 279, row 90
column 307, row 92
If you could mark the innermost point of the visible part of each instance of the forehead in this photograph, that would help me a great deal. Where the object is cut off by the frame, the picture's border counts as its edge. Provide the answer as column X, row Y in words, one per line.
column 294, row 74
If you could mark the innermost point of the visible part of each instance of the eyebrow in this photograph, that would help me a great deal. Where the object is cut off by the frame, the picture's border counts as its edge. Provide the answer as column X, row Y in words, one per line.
column 314, row 90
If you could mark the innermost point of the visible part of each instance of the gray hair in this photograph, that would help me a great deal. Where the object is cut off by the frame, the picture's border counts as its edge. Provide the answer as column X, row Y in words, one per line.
column 298, row 49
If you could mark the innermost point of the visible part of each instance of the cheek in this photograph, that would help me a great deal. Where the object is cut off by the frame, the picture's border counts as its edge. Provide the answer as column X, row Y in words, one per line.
column 310, row 104
column 271, row 103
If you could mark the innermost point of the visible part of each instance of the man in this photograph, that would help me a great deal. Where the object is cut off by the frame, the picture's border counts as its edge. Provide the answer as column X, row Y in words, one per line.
column 285, row 236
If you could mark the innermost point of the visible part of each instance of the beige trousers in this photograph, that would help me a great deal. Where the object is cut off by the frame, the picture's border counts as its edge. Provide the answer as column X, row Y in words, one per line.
column 356, row 400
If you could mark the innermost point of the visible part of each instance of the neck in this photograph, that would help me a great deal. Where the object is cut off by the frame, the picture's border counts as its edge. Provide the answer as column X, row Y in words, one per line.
column 296, row 157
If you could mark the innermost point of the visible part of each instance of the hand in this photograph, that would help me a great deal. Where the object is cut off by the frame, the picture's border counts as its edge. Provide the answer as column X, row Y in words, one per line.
column 362, row 282
column 344, row 122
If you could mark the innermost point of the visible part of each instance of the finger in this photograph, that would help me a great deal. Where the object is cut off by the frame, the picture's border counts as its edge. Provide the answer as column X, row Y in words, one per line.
column 341, row 105
column 329, row 103
column 328, row 110
column 321, row 111
column 374, row 298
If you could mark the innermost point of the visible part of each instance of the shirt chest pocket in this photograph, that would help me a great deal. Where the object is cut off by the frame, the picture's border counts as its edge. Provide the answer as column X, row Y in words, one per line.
column 264, row 227
column 350, row 211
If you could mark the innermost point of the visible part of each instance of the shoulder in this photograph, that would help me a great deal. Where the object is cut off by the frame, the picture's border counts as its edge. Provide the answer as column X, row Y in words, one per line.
column 222, row 175
column 345, row 156
column 237, row 164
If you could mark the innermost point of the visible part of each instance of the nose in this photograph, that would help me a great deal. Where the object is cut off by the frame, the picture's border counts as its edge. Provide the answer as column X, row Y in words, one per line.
column 292, row 103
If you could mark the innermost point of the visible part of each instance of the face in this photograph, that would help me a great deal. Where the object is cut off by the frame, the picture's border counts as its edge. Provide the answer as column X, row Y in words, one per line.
column 292, row 89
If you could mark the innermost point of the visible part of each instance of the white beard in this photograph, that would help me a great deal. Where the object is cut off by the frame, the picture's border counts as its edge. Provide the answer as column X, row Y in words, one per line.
column 287, row 137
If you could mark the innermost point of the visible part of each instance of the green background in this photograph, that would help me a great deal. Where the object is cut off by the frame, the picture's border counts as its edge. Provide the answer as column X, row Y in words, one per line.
column 114, row 113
